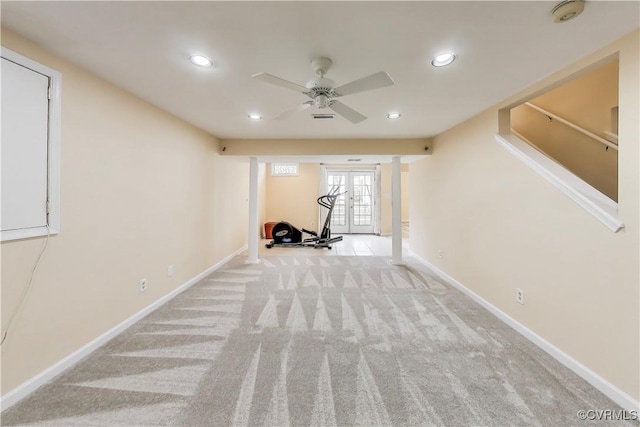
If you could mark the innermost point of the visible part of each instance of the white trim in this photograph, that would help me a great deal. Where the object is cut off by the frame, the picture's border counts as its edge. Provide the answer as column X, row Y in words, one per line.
column 614, row 393
column 377, row 228
column 254, row 233
column 26, row 233
column 53, row 148
column 322, row 190
column 593, row 201
column 396, row 211
column 29, row 386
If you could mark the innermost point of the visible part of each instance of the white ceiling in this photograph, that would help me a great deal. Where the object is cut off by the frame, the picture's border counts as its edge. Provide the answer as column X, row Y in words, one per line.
column 502, row 48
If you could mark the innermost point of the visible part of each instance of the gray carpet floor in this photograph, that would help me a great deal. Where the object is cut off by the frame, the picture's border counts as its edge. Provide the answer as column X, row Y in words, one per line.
column 315, row 341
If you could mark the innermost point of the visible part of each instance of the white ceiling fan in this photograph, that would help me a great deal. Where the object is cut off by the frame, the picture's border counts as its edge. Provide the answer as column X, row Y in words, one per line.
column 323, row 92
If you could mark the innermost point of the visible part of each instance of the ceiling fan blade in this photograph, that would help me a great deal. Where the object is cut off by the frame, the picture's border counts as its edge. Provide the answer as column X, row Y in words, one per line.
column 269, row 78
column 347, row 112
column 293, row 110
column 374, row 81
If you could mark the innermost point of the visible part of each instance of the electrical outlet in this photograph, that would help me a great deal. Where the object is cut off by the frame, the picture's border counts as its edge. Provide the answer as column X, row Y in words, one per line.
column 440, row 254
column 169, row 270
column 143, row 285
column 520, row 295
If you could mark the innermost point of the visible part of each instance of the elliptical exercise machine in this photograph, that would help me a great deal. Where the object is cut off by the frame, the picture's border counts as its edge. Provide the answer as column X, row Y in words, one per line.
column 286, row 235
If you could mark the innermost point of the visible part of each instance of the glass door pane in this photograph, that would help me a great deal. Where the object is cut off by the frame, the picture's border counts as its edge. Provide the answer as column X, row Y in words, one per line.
column 339, row 219
column 362, row 203
column 353, row 211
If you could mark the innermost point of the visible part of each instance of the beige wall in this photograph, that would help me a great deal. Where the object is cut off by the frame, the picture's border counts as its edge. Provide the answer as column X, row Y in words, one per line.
column 385, row 199
column 293, row 198
column 502, row 226
column 140, row 189
column 587, row 102
column 262, row 198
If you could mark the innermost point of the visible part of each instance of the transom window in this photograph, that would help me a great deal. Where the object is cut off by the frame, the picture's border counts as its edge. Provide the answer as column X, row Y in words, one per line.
column 284, row 169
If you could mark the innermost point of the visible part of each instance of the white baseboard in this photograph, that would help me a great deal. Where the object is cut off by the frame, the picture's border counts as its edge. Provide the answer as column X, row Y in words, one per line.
column 28, row 387
column 614, row 393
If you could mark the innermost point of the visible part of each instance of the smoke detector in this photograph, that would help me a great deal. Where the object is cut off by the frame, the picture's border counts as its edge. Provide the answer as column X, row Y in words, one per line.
column 567, row 10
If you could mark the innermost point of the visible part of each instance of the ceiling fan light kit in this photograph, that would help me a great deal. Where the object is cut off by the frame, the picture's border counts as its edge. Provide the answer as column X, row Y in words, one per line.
column 323, row 91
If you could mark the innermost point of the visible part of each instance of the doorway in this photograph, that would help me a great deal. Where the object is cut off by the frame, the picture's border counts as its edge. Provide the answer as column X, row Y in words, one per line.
column 354, row 211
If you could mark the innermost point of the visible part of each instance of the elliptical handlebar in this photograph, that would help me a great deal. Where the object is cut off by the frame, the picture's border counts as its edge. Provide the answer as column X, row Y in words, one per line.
column 329, row 199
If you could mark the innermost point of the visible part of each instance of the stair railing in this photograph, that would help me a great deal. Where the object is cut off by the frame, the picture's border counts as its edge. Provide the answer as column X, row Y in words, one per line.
column 592, row 135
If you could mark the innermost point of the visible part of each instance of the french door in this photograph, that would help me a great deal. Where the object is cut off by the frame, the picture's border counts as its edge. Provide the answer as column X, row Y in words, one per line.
column 354, row 211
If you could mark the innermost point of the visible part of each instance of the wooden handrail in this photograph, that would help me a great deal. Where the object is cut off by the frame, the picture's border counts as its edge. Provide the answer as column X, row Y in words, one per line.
column 573, row 126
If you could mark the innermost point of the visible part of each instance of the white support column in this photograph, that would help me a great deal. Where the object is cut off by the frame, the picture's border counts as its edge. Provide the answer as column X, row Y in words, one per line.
column 396, row 212
column 252, row 256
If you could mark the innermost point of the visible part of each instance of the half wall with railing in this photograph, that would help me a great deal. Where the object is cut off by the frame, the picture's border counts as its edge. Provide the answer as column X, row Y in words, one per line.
column 576, row 126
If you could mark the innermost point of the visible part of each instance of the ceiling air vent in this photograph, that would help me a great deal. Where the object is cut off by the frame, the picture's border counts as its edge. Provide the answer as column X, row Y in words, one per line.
column 323, row 116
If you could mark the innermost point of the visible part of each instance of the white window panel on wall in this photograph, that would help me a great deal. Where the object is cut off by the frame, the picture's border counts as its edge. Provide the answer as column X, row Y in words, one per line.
column 29, row 148
column 25, row 112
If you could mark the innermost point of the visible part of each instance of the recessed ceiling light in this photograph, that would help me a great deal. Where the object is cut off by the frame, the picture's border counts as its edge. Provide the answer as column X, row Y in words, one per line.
column 443, row 59
column 200, row 60
column 255, row 116
column 393, row 116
